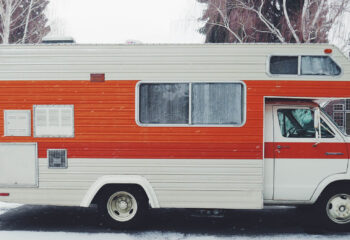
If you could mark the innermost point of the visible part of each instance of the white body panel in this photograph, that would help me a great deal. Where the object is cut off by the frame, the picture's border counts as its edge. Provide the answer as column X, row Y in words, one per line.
column 297, row 179
column 189, row 62
column 18, row 165
column 269, row 168
column 231, row 184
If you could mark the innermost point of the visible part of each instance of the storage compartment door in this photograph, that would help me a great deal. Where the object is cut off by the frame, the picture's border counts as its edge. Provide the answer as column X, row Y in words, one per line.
column 18, row 165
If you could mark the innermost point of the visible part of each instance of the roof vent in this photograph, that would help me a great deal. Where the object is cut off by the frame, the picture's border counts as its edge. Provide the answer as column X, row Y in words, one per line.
column 58, row 40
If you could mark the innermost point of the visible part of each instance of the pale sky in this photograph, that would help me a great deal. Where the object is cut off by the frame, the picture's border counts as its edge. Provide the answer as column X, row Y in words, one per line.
column 116, row 21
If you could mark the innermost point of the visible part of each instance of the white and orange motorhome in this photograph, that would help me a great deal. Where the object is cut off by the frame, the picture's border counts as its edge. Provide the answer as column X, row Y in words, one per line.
column 215, row 126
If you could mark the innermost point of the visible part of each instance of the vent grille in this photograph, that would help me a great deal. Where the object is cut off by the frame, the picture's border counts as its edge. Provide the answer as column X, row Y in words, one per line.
column 57, row 158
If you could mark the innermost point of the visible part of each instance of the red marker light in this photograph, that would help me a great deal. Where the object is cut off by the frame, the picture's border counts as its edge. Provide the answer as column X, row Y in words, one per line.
column 97, row 77
column 4, row 194
column 328, row 51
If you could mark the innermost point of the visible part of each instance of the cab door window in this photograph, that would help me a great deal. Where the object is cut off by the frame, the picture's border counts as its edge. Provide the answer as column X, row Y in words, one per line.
column 296, row 123
column 299, row 123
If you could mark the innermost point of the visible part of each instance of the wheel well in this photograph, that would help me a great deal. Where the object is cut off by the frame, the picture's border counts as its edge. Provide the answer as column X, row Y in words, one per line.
column 108, row 187
column 341, row 184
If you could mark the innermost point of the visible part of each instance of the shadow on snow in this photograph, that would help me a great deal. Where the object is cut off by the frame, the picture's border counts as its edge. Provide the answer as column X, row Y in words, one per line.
column 75, row 219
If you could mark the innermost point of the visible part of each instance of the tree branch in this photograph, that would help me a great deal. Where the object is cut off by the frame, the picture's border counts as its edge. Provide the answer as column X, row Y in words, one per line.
column 226, row 21
column 288, row 21
column 303, row 18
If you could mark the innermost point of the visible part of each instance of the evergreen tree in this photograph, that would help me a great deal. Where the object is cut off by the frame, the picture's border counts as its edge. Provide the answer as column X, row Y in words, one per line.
column 270, row 20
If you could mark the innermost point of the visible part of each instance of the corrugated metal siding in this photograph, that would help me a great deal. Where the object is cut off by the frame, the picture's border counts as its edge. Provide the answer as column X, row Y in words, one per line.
column 151, row 62
column 177, row 183
column 105, row 114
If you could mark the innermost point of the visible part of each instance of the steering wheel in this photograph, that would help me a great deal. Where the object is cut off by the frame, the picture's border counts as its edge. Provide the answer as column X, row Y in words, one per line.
column 291, row 131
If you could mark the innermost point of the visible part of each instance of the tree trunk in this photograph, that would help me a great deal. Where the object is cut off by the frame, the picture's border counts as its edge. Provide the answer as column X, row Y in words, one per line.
column 7, row 23
column 27, row 21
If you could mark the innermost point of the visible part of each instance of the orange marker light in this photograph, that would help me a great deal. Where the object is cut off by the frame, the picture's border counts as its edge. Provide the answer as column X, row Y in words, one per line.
column 328, row 51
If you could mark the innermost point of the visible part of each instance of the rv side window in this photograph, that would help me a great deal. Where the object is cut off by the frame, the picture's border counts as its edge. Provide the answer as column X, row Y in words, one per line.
column 309, row 65
column 284, row 65
column 216, row 103
column 164, row 103
column 191, row 103
column 319, row 65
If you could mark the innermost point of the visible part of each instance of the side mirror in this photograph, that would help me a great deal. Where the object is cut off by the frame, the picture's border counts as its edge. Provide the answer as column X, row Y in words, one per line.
column 317, row 118
column 317, row 126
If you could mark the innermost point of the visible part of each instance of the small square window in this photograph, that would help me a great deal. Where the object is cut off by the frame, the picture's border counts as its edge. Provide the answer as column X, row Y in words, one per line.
column 338, row 107
column 284, row 65
column 347, row 104
column 339, row 118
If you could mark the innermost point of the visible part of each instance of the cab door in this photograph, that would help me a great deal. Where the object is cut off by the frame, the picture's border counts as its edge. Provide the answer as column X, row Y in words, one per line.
column 300, row 162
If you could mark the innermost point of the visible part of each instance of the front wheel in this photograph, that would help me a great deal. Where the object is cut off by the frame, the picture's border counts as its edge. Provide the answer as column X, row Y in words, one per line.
column 334, row 209
column 124, row 208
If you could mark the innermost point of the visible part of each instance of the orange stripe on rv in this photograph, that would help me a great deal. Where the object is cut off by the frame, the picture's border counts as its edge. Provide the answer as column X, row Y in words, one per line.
column 105, row 114
column 154, row 150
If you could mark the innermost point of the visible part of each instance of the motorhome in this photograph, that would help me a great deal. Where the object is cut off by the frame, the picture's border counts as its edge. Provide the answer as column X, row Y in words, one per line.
column 204, row 126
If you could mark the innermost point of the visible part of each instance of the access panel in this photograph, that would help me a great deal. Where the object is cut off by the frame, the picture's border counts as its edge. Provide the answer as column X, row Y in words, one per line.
column 18, row 165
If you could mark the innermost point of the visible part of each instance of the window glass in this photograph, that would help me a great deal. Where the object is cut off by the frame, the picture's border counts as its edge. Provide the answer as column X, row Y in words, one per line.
column 284, row 65
column 348, row 123
column 296, row 123
column 216, row 103
column 164, row 103
column 326, row 132
column 339, row 118
column 210, row 103
column 338, row 107
column 319, row 65
column 347, row 104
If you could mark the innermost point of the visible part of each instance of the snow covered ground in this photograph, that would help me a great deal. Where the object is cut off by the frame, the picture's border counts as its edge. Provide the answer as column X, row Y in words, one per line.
column 18, row 222
column 4, row 207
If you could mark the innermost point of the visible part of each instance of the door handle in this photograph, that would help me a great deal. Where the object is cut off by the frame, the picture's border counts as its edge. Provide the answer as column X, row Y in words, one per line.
column 282, row 147
column 334, row 153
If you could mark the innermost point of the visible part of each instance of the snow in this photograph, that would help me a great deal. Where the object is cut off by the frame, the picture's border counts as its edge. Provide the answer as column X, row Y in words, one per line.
column 4, row 207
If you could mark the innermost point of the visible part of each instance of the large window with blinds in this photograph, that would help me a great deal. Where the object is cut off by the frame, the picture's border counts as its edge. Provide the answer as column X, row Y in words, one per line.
column 193, row 104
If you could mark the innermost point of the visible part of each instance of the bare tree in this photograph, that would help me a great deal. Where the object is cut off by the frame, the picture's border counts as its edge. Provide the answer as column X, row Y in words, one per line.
column 299, row 21
column 22, row 21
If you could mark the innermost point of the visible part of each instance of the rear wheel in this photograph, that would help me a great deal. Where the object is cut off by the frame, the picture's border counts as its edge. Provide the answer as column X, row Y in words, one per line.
column 123, row 208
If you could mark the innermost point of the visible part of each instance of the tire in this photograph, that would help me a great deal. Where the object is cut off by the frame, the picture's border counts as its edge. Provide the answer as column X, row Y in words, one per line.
column 123, row 207
column 333, row 210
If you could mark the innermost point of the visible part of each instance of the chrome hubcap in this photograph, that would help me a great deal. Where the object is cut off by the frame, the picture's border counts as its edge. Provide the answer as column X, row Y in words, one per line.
column 338, row 208
column 122, row 206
